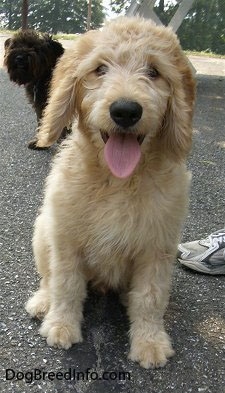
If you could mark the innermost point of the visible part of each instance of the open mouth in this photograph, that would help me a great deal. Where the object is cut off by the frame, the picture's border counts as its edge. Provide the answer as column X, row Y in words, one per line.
column 122, row 152
column 140, row 137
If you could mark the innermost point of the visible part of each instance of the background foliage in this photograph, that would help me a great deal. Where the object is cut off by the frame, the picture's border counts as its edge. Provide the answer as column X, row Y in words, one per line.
column 67, row 16
column 202, row 30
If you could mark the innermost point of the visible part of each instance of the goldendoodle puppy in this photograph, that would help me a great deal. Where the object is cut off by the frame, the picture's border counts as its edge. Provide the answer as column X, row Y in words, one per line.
column 117, row 193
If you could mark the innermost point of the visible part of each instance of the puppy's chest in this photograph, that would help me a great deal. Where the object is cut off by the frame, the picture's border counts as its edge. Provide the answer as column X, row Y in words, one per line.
column 114, row 223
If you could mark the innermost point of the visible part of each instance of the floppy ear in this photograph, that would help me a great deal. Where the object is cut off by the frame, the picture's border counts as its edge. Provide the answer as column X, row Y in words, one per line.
column 65, row 92
column 7, row 43
column 176, row 132
column 56, row 47
column 60, row 109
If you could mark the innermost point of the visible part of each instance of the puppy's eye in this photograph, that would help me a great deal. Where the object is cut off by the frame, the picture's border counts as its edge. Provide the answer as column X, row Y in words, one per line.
column 152, row 72
column 101, row 70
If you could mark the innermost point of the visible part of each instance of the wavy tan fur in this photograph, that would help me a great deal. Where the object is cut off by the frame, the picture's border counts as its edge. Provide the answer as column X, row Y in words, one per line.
column 93, row 226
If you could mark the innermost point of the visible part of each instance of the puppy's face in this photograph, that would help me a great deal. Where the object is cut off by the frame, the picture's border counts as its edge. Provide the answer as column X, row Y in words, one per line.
column 132, row 89
column 17, row 60
column 134, row 85
column 125, row 98
column 27, row 57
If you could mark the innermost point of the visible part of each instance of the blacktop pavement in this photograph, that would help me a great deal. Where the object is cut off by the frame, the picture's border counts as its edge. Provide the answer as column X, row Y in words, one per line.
column 195, row 316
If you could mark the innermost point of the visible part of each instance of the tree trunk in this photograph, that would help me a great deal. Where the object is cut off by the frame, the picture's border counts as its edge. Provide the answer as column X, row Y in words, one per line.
column 89, row 15
column 56, row 19
column 10, row 15
column 161, row 5
column 25, row 5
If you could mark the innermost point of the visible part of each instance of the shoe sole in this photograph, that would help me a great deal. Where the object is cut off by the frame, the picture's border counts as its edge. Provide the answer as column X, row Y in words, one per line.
column 201, row 268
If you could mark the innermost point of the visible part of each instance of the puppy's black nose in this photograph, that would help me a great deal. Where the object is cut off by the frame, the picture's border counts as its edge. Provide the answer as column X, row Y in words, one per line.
column 125, row 113
column 19, row 59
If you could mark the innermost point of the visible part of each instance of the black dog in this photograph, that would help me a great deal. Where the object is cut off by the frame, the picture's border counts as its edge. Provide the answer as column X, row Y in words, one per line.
column 30, row 58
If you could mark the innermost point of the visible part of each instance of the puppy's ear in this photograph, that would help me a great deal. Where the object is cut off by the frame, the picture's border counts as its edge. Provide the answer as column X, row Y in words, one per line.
column 56, row 47
column 176, row 130
column 7, row 43
column 60, row 109
column 65, row 92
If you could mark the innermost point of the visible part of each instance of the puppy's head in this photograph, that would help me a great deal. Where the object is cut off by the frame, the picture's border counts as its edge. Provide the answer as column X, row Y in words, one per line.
column 132, row 88
column 29, row 56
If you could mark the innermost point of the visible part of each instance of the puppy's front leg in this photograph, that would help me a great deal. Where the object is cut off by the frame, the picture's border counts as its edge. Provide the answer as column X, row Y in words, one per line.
column 62, row 324
column 148, row 298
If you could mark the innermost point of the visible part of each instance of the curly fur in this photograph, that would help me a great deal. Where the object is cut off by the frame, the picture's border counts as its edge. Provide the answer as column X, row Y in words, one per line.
column 118, row 232
column 30, row 58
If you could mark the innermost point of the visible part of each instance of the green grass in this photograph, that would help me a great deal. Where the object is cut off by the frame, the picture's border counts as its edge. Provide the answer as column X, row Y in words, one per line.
column 3, row 31
column 62, row 36
column 204, row 54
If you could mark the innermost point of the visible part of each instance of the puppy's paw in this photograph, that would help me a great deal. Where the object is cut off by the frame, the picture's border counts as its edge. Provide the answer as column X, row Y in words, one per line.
column 38, row 305
column 59, row 334
column 33, row 144
column 151, row 353
column 46, row 139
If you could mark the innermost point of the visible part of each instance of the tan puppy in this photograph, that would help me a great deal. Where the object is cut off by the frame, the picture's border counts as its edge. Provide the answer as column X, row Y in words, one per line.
column 116, row 196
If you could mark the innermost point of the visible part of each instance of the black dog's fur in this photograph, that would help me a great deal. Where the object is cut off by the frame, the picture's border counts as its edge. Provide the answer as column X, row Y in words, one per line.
column 30, row 58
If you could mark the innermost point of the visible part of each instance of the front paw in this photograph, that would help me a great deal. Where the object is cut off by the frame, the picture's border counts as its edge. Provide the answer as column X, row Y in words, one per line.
column 60, row 334
column 38, row 305
column 33, row 144
column 153, row 352
column 44, row 140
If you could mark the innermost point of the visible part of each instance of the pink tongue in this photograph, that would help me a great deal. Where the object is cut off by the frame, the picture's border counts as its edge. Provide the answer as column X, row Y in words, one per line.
column 122, row 154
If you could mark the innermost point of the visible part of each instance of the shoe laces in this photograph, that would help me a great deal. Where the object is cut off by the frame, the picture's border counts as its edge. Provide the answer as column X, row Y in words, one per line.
column 213, row 240
column 217, row 240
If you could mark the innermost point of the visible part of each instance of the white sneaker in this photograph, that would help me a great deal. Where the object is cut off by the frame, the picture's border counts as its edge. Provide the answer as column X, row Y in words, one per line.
column 206, row 255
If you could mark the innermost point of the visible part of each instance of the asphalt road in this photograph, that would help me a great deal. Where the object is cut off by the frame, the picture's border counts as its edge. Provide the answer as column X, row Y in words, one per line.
column 195, row 317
